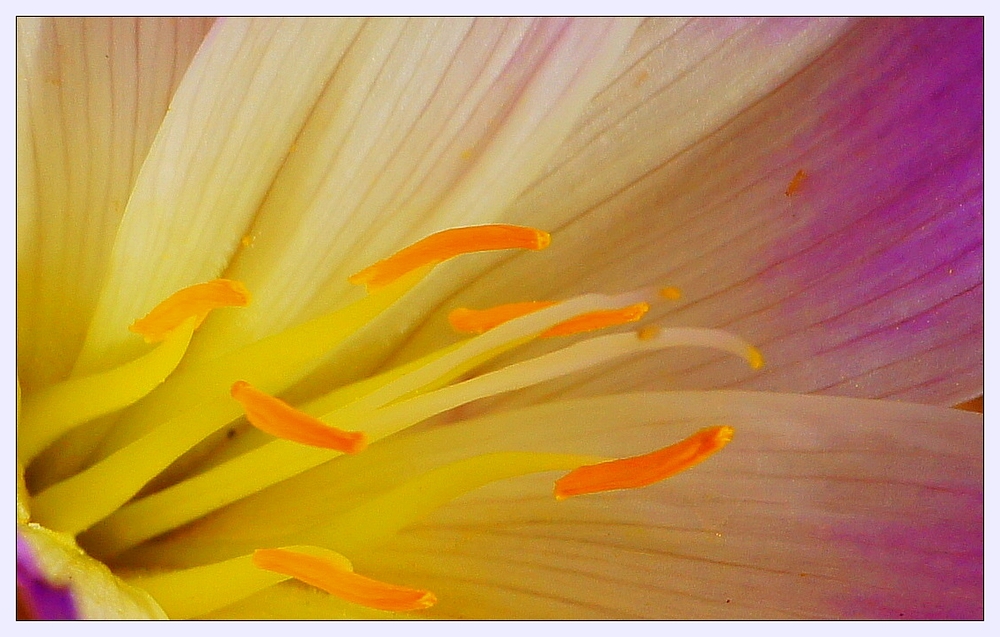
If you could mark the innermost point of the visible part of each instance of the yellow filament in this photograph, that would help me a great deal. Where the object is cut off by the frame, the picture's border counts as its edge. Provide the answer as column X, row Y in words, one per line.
column 195, row 591
column 379, row 519
column 446, row 244
column 644, row 470
column 250, row 472
column 78, row 502
column 196, row 300
column 53, row 411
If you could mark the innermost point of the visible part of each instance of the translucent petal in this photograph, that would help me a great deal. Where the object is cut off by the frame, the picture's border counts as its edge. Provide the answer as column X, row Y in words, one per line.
column 90, row 97
column 229, row 129
column 426, row 124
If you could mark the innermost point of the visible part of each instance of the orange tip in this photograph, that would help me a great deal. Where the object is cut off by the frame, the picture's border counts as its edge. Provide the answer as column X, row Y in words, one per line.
column 196, row 300
column 278, row 418
column 331, row 577
column 641, row 471
column 446, row 244
column 671, row 293
column 469, row 321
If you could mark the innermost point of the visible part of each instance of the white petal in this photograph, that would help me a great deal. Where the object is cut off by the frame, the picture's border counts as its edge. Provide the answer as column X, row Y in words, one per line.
column 91, row 95
column 229, row 128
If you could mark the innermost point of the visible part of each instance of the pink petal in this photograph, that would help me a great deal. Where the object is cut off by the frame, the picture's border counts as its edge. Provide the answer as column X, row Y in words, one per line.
column 866, row 282
column 820, row 507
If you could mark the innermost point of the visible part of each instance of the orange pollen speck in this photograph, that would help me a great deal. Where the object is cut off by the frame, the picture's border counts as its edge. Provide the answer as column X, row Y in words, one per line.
column 478, row 321
column 280, row 419
column 671, row 293
column 194, row 301
column 444, row 245
column 347, row 585
column 796, row 183
column 641, row 471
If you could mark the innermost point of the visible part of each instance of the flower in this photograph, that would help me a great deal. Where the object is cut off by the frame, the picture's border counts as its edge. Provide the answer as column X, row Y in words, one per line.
column 814, row 187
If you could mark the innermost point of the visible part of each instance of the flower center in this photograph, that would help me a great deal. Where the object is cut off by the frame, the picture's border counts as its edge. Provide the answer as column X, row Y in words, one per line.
column 162, row 411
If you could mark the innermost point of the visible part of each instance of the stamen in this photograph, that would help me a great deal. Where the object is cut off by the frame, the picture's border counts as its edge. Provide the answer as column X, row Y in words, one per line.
column 641, row 471
column 196, row 300
column 479, row 321
column 444, row 245
column 347, row 585
column 469, row 321
column 279, row 460
column 273, row 364
column 190, row 592
column 280, row 419
column 370, row 524
column 57, row 409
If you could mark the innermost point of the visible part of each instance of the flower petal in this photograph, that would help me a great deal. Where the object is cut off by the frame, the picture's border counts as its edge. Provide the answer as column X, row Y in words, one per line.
column 91, row 95
column 229, row 128
column 96, row 592
column 866, row 281
column 819, row 507
column 426, row 124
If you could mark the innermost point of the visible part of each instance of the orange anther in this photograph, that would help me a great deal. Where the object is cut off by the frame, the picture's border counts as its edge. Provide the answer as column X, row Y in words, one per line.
column 478, row 321
column 446, row 244
column 196, row 300
column 347, row 585
column 641, row 471
column 280, row 419
column 598, row 320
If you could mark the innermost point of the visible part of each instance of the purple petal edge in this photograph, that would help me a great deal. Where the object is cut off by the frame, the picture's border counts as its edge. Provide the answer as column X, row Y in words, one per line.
column 37, row 598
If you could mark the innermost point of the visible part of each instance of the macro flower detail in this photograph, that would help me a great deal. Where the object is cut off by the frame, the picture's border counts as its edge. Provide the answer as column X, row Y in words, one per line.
column 295, row 340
